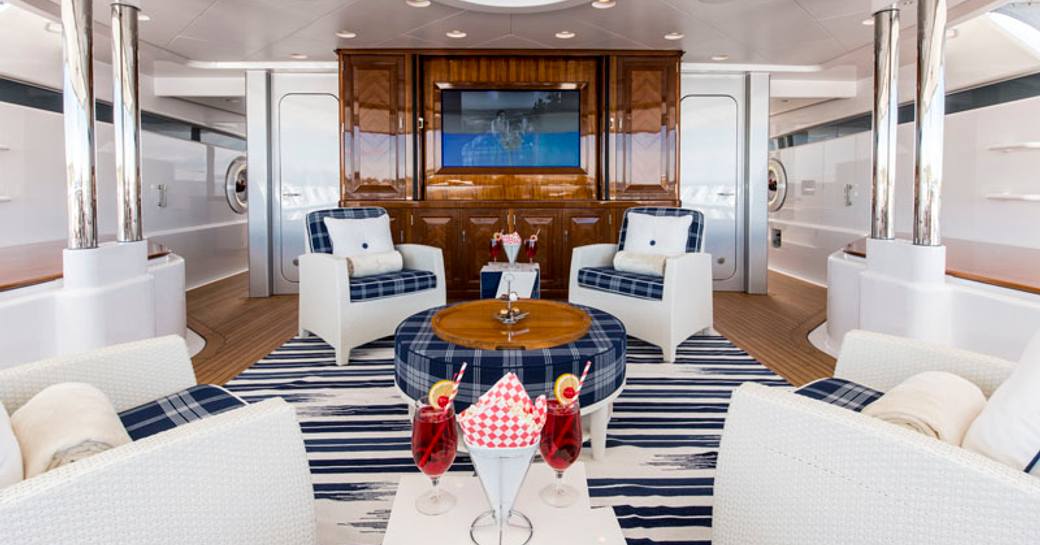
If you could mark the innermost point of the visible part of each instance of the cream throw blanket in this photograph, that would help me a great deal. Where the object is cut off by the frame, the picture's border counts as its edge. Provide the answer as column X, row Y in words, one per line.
column 372, row 264
column 640, row 263
column 64, row 423
column 937, row 404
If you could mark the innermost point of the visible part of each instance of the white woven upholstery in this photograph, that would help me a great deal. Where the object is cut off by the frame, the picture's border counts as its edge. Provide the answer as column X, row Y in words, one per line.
column 797, row 470
column 883, row 361
column 237, row 477
column 685, row 308
column 327, row 311
column 130, row 374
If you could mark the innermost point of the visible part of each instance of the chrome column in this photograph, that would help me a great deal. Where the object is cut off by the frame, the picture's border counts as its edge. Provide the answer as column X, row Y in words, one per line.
column 931, row 109
column 78, row 102
column 126, row 119
column 886, row 123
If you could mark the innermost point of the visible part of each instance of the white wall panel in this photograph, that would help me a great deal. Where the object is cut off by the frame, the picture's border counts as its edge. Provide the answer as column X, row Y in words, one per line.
column 816, row 222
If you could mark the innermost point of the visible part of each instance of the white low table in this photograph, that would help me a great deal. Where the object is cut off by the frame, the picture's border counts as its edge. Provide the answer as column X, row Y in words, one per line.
column 526, row 278
column 575, row 525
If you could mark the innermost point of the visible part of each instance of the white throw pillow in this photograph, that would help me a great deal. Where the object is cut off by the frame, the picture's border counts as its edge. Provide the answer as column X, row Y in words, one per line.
column 352, row 237
column 657, row 235
column 64, row 423
column 10, row 452
column 638, row 263
column 1008, row 429
column 372, row 264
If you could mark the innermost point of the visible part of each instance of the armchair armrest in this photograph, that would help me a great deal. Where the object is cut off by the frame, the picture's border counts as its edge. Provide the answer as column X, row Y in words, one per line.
column 688, row 275
column 240, row 477
column 883, row 361
column 130, row 374
column 592, row 255
column 423, row 258
column 797, row 470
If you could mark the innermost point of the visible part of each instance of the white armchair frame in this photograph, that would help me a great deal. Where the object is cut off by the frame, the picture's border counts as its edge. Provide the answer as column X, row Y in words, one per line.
column 327, row 311
column 797, row 470
column 239, row 477
column 684, row 309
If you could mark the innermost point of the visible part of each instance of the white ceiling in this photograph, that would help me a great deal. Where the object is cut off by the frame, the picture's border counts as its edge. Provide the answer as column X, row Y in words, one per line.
column 748, row 31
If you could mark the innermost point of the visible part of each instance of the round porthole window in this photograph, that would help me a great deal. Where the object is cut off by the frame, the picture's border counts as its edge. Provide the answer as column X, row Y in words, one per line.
column 236, row 183
column 777, row 185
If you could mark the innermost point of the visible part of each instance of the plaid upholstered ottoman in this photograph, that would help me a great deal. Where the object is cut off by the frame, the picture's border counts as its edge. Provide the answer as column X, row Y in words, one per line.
column 421, row 359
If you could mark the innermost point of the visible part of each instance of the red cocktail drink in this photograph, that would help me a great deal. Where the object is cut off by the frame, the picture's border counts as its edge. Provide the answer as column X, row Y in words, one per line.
column 434, row 443
column 560, row 447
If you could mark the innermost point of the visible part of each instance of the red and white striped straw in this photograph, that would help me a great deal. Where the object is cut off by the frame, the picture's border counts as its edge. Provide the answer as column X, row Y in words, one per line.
column 584, row 374
column 455, row 385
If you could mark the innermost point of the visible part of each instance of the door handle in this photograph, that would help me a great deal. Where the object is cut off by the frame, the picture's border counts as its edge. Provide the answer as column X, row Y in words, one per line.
column 290, row 194
column 725, row 194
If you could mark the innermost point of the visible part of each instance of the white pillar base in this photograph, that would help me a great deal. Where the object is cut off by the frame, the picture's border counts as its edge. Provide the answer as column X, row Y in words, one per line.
column 107, row 297
column 904, row 291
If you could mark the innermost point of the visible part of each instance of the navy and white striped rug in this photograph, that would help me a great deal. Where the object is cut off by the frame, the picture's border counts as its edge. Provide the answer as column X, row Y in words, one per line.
column 662, row 441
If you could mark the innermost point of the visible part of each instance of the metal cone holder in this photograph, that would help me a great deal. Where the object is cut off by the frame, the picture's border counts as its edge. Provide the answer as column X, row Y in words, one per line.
column 512, row 251
column 502, row 472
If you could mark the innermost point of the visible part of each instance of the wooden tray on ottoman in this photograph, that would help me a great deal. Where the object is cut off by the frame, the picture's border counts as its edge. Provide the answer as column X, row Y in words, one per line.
column 548, row 324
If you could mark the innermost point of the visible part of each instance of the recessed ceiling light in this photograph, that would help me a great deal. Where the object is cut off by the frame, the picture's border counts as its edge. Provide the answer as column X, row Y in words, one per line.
column 869, row 21
column 417, row 3
column 674, row 36
column 952, row 33
column 54, row 28
column 143, row 17
column 297, row 56
column 720, row 58
column 346, row 34
column 603, row 4
column 564, row 34
column 455, row 34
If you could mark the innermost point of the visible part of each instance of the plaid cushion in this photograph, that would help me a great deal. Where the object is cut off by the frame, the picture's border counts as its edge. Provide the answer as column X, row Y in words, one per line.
column 693, row 241
column 609, row 279
column 318, row 235
column 422, row 358
column 390, row 284
column 174, row 410
column 840, row 392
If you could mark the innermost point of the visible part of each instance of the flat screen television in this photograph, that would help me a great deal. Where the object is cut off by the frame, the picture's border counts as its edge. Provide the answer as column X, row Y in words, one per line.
column 510, row 128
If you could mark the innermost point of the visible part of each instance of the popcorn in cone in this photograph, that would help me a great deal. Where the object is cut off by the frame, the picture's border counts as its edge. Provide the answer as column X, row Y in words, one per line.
column 502, row 430
column 511, row 243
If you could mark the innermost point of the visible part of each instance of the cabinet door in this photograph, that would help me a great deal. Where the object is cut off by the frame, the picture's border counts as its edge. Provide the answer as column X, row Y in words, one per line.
column 376, row 127
column 581, row 228
column 440, row 228
column 643, row 125
column 479, row 226
column 551, row 245
column 397, row 224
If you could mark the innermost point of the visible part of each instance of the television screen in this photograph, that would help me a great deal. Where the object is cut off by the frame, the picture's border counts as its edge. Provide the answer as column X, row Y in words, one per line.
column 510, row 128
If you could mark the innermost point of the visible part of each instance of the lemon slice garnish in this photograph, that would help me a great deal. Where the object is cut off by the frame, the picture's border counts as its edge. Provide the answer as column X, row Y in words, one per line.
column 440, row 393
column 566, row 389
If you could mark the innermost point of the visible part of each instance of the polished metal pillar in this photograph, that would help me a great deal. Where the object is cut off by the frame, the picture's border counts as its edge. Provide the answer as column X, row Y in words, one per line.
column 126, row 119
column 78, row 101
column 886, row 123
column 931, row 109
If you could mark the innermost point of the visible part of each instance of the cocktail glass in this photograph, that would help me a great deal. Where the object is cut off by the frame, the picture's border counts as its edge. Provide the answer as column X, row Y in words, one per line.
column 560, row 447
column 434, row 444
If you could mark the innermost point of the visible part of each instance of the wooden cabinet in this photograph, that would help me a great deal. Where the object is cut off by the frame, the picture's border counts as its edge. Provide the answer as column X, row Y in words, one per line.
column 478, row 228
column 581, row 228
column 376, row 127
column 440, row 228
column 643, row 140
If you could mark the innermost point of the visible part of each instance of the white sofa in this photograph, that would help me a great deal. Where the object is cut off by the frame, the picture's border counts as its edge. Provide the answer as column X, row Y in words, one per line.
column 796, row 470
column 326, row 306
column 685, row 306
column 239, row 477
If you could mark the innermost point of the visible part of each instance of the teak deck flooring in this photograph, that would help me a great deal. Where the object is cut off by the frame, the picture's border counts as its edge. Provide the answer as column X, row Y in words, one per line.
column 772, row 328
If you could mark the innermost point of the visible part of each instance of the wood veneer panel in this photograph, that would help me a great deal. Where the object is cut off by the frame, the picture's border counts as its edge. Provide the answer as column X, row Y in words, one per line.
column 1011, row 267
column 31, row 264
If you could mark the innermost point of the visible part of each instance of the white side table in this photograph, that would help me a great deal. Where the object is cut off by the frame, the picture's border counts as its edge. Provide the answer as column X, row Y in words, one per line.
column 527, row 280
column 578, row 524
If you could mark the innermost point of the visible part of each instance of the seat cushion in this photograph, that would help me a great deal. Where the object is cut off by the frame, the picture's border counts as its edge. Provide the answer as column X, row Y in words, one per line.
column 840, row 392
column 609, row 279
column 188, row 405
column 391, row 284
